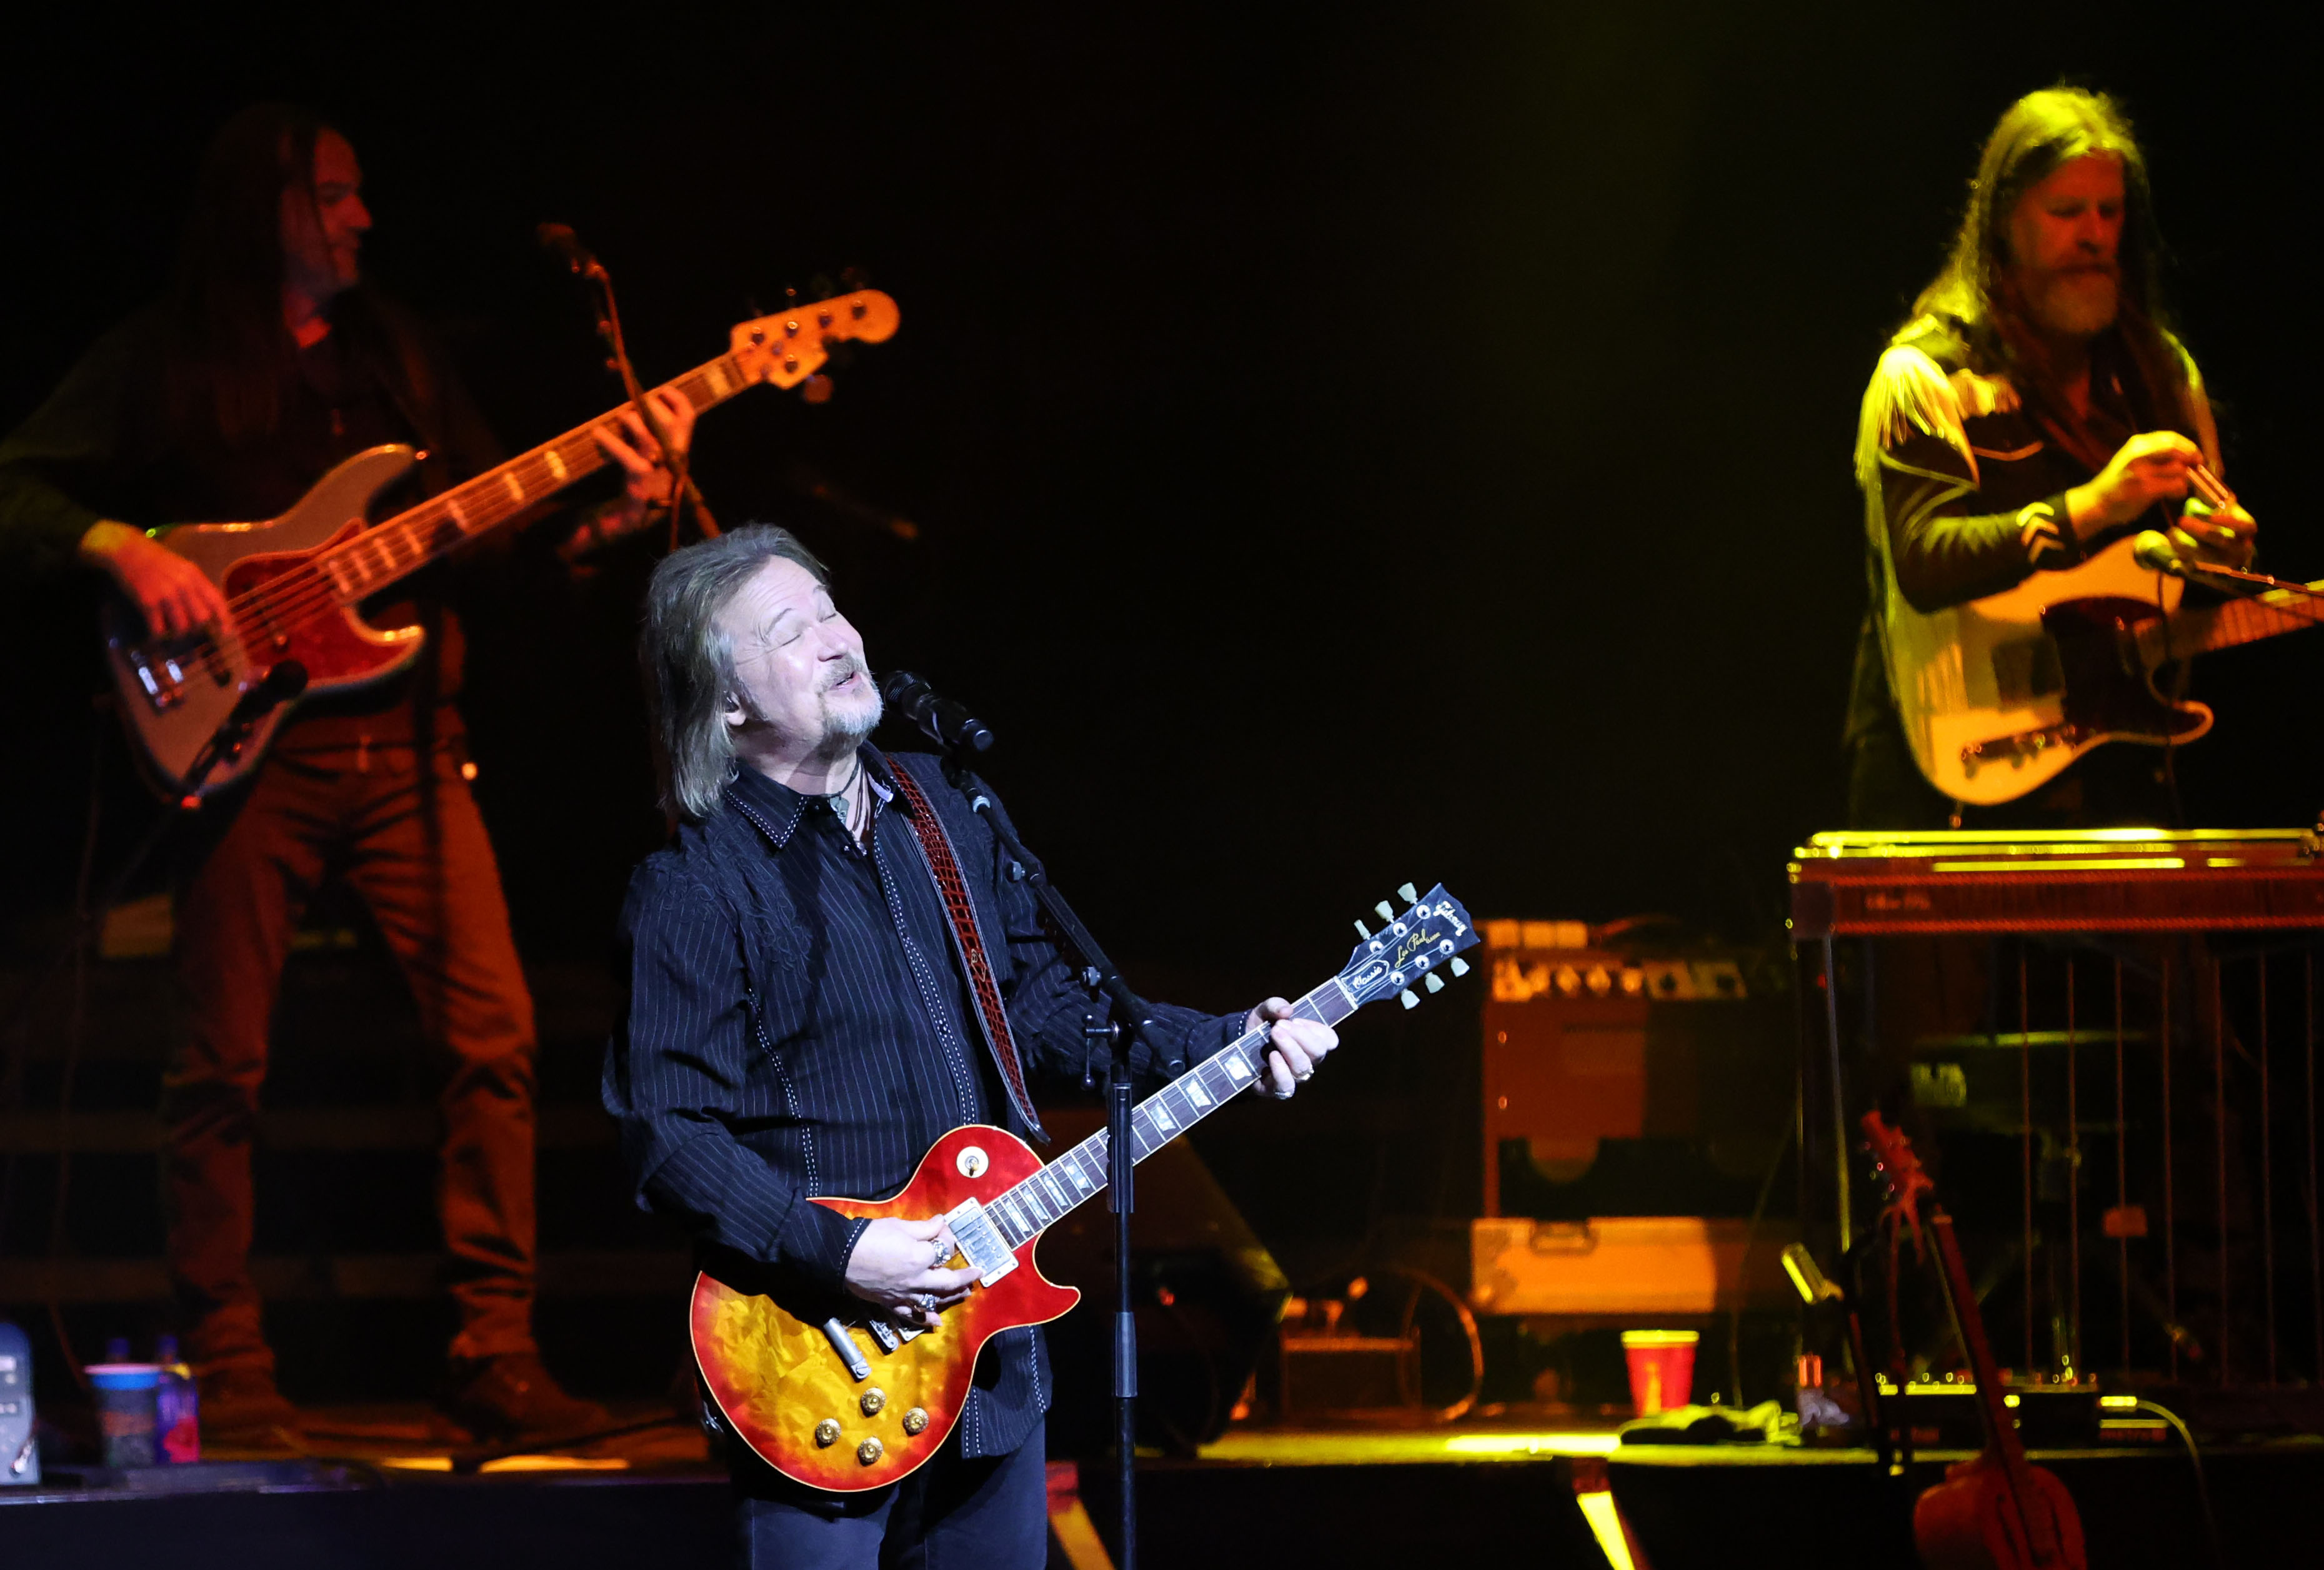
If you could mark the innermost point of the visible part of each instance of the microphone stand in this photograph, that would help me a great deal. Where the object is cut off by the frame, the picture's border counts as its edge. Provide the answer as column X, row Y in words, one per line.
column 1126, row 1020
column 608, row 312
column 2257, row 583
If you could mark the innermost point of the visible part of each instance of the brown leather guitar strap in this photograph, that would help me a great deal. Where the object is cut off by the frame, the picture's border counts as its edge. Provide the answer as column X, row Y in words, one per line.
column 967, row 941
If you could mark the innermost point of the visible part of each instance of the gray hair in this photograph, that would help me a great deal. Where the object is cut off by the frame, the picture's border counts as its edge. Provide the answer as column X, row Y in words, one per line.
column 688, row 665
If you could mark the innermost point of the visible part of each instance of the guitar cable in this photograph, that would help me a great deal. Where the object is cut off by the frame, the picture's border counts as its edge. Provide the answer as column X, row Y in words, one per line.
column 2203, row 1488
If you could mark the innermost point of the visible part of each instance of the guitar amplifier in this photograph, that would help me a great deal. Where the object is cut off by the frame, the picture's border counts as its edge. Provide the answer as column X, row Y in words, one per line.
column 1621, row 1082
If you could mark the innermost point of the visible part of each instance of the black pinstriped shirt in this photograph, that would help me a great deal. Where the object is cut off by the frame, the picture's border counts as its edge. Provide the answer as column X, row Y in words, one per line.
column 798, row 1024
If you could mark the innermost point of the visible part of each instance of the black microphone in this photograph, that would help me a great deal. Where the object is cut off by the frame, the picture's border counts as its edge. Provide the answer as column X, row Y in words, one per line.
column 561, row 241
column 2152, row 550
column 945, row 723
column 283, row 683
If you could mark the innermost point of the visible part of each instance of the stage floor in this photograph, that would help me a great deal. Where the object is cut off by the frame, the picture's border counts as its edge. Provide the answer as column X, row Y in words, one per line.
column 382, row 1489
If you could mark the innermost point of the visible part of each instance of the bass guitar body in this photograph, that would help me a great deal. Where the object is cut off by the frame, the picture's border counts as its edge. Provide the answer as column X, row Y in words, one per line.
column 175, row 693
column 1970, row 1520
column 784, row 1387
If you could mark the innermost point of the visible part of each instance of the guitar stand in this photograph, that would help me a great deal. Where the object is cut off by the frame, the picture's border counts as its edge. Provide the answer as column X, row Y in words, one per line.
column 1118, row 1032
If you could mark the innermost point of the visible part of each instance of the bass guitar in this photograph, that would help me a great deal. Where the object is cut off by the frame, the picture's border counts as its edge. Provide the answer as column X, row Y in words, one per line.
column 1997, row 696
column 292, row 583
column 1996, row 1510
column 849, row 1402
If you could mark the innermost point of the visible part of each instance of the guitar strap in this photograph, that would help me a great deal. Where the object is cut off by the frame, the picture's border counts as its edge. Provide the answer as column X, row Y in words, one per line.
column 968, row 942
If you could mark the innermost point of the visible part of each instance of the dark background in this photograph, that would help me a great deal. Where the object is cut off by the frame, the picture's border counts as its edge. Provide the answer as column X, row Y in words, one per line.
column 1351, row 444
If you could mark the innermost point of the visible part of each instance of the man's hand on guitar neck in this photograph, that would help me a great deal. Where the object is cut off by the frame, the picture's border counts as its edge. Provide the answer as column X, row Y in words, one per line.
column 897, row 1264
column 174, row 596
column 647, row 478
column 1295, row 1047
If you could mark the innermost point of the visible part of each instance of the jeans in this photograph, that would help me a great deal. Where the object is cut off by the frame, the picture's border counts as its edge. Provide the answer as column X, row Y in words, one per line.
column 955, row 1513
column 400, row 827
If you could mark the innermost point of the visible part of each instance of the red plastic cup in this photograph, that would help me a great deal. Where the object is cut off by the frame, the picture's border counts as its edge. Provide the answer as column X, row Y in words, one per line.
column 1662, row 1368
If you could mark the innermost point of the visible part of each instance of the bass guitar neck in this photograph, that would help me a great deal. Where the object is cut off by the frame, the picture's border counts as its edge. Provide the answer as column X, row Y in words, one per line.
column 293, row 584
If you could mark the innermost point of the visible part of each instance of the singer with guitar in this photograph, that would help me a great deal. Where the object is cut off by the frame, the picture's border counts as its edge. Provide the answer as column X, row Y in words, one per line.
column 830, row 968
column 270, row 361
column 2034, row 412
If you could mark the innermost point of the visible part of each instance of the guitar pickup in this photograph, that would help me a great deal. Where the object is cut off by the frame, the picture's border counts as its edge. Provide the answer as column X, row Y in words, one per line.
column 980, row 1242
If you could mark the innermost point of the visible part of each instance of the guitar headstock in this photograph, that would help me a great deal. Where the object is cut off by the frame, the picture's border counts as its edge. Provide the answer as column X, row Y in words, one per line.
column 1412, row 947
column 787, row 348
column 1899, row 1168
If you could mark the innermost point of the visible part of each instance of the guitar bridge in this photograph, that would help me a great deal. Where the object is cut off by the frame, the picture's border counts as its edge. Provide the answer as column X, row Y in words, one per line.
column 987, row 1251
column 2014, row 750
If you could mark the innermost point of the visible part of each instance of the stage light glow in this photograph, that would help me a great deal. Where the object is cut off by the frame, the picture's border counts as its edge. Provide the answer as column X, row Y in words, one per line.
column 1606, row 1526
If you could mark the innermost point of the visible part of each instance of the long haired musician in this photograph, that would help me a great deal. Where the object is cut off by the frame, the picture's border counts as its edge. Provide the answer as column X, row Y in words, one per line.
column 2035, row 407
column 268, row 361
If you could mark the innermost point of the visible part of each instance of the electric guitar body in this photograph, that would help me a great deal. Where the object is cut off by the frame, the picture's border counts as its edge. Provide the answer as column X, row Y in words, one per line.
column 778, row 1380
column 1998, row 696
column 837, row 1396
column 177, row 691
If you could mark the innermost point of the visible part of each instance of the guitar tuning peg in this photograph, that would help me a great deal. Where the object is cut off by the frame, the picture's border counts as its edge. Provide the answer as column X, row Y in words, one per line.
column 1384, row 911
column 1409, row 998
column 1408, row 894
column 1459, row 966
column 1435, row 983
column 1362, row 931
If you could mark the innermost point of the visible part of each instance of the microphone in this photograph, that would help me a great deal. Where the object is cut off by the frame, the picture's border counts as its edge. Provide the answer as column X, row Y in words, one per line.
column 2152, row 550
column 947, row 723
column 561, row 241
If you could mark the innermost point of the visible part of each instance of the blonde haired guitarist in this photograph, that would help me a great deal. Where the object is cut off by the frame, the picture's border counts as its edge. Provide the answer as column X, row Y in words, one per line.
column 2035, row 410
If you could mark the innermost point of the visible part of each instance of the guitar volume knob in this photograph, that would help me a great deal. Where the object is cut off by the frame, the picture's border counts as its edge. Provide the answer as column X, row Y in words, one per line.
column 870, row 1451
column 915, row 1419
column 873, row 1399
column 826, row 1432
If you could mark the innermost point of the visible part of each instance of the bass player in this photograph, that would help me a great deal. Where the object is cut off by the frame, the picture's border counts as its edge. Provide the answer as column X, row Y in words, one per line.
column 809, row 1012
column 2034, row 407
column 269, row 359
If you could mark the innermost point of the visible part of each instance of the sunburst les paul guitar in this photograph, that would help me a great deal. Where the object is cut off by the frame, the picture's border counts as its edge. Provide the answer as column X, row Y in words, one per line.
column 1997, row 696
column 850, row 1402
column 292, row 583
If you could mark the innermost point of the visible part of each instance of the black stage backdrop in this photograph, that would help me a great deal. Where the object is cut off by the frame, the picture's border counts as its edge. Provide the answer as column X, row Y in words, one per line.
column 1350, row 444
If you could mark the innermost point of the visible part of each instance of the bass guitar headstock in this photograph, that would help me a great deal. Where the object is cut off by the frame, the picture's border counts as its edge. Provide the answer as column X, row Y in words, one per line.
column 787, row 348
column 1412, row 949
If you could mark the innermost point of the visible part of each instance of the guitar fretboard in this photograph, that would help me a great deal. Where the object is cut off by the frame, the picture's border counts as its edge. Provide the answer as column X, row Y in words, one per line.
column 1042, row 1199
column 2216, row 627
column 409, row 541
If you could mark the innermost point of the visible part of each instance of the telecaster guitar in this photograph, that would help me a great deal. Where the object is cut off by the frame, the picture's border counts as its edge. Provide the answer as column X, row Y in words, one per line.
column 1999, row 695
column 847, row 1404
column 292, row 583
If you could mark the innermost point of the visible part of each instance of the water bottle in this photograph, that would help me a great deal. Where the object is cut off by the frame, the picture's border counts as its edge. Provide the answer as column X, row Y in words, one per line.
column 178, row 1434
